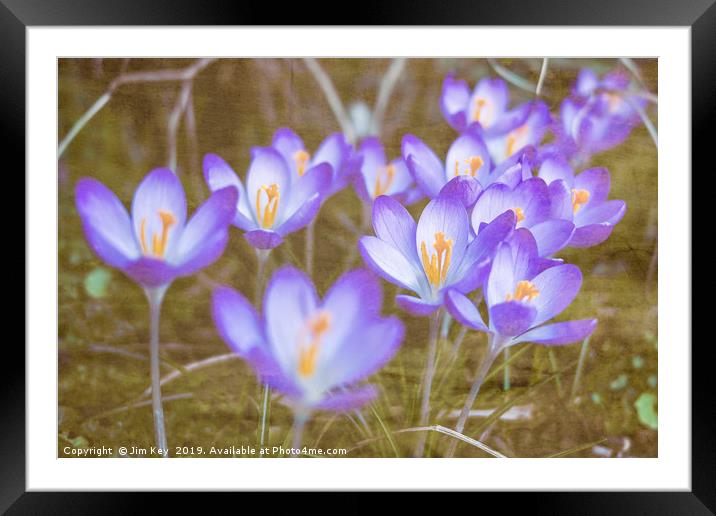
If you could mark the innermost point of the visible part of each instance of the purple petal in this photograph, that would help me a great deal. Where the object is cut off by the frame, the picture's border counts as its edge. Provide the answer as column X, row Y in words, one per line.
column 425, row 167
column 473, row 277
column 560, row 196
column 236, row 320
column 289, row 301
column 302, row 217
column 159, row 191
column 263, row 238
column 463, row 151
column 105, row 223
column 348, row 400
column 590, row 235
column 268, row 168
column 512, row 317
column 490, row 100
column 388, row 262
column 524, row 253
column 416, row 306
column 335, row 151
column 150, row 272
column 597, row 182
column 555, row 168
column 552, row 235
column 393, row 224
column 464, row 311
column 205, row 236
column 494, row 201
column 365, row 351
column 587, row 82
column 454, row 102
column 610, row 212
column 557, row 286
column 288, row 143
column 533, row 197
column 559, row 333
column 468, row 189
column 269, row 371
column 487, row 240
column 501, row 280
column 218, row 174
column 316, row 180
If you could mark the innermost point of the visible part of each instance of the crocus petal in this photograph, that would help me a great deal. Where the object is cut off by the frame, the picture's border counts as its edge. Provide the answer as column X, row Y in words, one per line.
column 494, row 201
column 464, row 311
column 289, row 301
column 560, row 198
column 388, row 262
column 552, row 235
column 288, row 144
column 533, row 197
column 609, row 211
column 416, row 306
column 236, row 320
column 218, row 174
column 445, row 214
column 524, row 253
column 159, row 191
column 402, row 179
column 463, row 151
column 557, row 286
column 473, row 277
column 205, row 236
column 590, row 235
column 587, row 82
column 106, row 223
column 425, row 167
column 267, row 168
column 512, row 317
column 597, row 182
column 467, row 188
column 335, row 151
column 316, row 180
column 493, row 95
column 393, row 224
column 367, row 350
column 263, row 238
column 454, row 101
column 487, row 240
column 348, row 400
column 269, row 371
column 559, row 333
column 373, row 154
column 555, row 168
column 501, row 280
column 302, row 217
column 150, row 272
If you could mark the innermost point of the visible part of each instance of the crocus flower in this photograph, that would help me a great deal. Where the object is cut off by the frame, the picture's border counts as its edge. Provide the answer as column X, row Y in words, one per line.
column 313, row 351
column 598, row 115
column 156, row 244
column 582, row 199
column 273, row 203
column 530, row 202
column 520, row 300
column 334, row 150
column 433, row 255
column 505, row 131
column 379, row 177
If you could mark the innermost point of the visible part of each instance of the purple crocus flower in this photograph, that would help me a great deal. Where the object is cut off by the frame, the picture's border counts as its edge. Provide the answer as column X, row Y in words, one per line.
column 156, row 244
column 334, row 150
column 379, row 177
column 273, row 203
column 504, row 131
column 520, row 299
column 433, row 255
column 599, row 114
column 311, row 350
column 582, row 199
column 530, row 202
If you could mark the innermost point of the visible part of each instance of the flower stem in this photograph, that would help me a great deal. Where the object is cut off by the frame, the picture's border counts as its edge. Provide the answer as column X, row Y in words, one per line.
column 155, row 297
column 580, row 367
column 492, row 353
column 299, row 423
column 506, row 371
column 310, row 230
column 428, row 380
column 262, row 256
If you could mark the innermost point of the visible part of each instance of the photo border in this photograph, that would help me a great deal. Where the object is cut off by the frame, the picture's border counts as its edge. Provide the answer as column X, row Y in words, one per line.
column 701, row 19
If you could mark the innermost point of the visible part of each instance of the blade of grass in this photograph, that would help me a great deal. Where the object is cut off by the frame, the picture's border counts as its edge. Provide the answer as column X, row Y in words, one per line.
column 576, row 449
column 387, row 433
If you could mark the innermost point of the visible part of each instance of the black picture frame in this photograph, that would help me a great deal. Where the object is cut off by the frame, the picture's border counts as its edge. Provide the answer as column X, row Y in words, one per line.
column 700, row 15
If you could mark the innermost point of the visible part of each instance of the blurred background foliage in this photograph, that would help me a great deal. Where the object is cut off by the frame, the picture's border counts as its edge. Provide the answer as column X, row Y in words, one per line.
column 234, row 104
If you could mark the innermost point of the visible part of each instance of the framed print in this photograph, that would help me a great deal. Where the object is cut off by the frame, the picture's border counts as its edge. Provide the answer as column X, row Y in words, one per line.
column 388, row 263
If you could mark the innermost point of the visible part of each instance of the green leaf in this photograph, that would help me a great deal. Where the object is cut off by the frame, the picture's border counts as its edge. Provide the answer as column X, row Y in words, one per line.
column 97, row 281
column 646, row 410
column 619, row 382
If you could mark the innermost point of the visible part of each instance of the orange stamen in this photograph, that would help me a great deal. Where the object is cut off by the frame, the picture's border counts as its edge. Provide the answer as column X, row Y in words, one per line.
column 579, row 198
column 436, row 264
column 474, row 164
column 159, row 242
column 524, row 291
column 316, row 327
column 380, row 186
column 301, row 158
column 273, row 197
column 513, row 139
column 477, row 111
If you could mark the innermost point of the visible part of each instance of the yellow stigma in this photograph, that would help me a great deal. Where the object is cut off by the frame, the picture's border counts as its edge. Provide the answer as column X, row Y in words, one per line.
column 579, row 198
column 273, row 197
column 524, row 291
column 382, row 186
column 519, row 214
column 301, row 158
column 474, row 164
column 477, row 110
column 613, row 102
column 315, row 329
column 513, row 139
column 159, row 242
column 436, row 264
